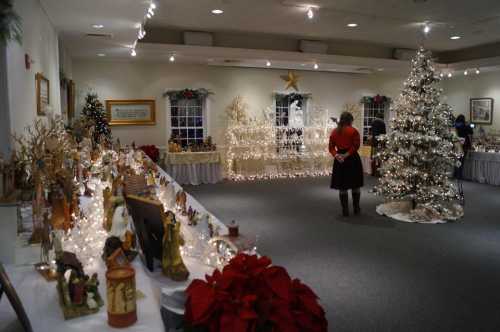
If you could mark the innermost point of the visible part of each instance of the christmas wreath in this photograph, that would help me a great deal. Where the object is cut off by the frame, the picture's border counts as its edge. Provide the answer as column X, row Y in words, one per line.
column 378, row 99
column 250, row 295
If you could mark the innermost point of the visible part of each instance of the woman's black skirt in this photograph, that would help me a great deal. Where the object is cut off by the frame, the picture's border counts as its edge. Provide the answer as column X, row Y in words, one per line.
column 349, row 174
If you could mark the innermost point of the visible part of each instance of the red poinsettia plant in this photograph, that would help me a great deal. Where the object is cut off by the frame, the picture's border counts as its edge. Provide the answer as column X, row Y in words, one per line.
column 151, row 151
column 251, row 295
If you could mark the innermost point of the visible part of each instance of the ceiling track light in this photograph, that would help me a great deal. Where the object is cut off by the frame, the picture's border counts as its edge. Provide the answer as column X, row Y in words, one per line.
column 268, row 64
column 450, row 75
column 427, row 28
column 172, row 58
column 152, row 6
column 466, row 73
column 133, row 52
column 316, row 66
column 478, row 71
column 310, row 13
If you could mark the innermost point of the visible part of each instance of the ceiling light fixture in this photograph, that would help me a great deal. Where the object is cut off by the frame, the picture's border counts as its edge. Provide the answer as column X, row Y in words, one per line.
column 478, row 71
column 316, row 66
column 101, row 54
column 466, row 73
column 455, row 37
column 217, row 11
column 97, row 26
column 172, row 58
column 427, row 28
column 133, row 52
column 153, row 5
column 310, row 13
column 268, row 63
column 352, row 25
column 450, row 75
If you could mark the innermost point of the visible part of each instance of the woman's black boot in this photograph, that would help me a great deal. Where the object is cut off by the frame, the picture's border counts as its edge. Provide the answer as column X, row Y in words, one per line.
column 344, row 200
column 356, row 197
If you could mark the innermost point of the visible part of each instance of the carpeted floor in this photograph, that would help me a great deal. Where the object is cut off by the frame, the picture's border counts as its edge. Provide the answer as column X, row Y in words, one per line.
column 374, row 274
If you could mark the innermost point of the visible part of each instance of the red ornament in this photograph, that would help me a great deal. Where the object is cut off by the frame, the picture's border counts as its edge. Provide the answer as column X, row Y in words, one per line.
column 378, row 99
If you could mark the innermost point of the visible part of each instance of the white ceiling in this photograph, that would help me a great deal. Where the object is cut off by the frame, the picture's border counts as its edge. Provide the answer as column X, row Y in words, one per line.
column 394, row 23
column 389, row 22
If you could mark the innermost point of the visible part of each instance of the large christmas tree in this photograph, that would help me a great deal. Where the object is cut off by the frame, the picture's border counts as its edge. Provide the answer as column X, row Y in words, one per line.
column 419, row 153
column 95, row 120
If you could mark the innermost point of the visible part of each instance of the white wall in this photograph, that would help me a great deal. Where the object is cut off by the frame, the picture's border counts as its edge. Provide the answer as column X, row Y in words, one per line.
column 134, row 80
column 460, row 89
column 40, row 41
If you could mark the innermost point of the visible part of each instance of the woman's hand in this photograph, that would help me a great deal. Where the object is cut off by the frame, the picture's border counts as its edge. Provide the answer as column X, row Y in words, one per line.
column 339, row 157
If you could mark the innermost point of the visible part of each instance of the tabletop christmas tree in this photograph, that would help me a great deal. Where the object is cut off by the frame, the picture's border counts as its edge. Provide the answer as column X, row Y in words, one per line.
column 419, row 153
column 95, row 120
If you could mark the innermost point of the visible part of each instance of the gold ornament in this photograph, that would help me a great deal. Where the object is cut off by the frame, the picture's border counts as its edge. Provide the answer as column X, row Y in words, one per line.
column 291, row 80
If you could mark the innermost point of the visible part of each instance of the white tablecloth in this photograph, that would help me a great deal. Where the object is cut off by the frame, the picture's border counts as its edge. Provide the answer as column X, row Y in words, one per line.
column 40, row 298
column 196, row 174
column 482, row 167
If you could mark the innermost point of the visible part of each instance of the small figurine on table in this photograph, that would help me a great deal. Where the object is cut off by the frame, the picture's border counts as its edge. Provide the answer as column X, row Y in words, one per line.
column 172, row 263
column 181, row 200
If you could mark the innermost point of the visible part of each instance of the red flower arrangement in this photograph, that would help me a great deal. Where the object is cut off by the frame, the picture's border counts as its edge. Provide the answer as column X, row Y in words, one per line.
column 151, row 151
column 250, row 295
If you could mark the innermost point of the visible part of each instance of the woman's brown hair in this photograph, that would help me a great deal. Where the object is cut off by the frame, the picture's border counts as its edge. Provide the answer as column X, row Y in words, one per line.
column 346, row 119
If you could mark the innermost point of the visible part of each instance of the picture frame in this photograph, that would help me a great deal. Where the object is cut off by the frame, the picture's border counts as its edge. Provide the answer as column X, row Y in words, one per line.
column 481, row 111
column 133, row 112
column 42, row 94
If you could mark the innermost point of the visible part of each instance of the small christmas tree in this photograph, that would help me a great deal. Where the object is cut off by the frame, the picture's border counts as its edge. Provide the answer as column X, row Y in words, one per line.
column 419, row 153
column 96, row 121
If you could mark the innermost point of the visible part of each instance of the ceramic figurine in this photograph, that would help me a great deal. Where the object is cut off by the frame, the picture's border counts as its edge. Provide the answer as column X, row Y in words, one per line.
column 181, row 200
column 192, row 216
column 172, row 263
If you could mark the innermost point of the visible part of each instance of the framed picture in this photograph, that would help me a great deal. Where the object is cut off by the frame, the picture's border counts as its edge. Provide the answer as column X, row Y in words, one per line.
column 42, row 94
column 481, row 110
column 137, row 112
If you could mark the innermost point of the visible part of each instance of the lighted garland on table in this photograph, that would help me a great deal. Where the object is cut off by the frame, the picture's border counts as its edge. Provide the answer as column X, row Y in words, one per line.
column 419, row 153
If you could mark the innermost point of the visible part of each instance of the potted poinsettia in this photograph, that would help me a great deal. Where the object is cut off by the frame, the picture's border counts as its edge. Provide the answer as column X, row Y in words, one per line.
column 251, row 295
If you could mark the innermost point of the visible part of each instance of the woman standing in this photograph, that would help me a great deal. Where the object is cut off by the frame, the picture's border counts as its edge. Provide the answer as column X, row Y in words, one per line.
column 347, row 167
column 464, row 132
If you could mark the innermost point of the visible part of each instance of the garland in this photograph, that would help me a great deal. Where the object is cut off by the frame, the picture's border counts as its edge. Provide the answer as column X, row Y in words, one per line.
column 292, row 97
column 189, row 94
column 378, row 99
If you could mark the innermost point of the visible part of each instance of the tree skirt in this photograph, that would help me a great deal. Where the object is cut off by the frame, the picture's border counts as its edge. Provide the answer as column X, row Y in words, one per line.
column 402, row 211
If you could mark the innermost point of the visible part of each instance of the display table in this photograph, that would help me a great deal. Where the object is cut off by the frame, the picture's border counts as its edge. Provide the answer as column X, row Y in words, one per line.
column 40, row 298
column 194, row 167
column 366, row 159
column 482, row 167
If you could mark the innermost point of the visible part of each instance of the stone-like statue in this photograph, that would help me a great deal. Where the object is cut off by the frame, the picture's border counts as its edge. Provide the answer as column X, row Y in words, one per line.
column 172, row 263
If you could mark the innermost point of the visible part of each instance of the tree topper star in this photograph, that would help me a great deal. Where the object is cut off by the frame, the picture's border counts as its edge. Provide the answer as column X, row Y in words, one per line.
column 291, row 81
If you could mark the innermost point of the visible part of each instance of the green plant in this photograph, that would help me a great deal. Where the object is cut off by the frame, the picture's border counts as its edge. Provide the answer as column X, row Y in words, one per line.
column 10, row 23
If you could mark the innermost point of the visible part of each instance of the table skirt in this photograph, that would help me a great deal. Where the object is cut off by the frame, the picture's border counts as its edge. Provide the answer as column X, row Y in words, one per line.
column 482, row 167
column 195, row 174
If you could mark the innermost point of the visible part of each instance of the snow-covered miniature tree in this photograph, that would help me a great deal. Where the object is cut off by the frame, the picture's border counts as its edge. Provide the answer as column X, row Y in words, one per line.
column 419, row 153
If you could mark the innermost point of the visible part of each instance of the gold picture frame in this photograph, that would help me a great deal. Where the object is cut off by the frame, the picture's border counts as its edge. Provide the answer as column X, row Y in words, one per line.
column 133, row 112
column 42, row 94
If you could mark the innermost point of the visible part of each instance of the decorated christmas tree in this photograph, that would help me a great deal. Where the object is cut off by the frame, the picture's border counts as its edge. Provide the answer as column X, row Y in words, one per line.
column 95, row 120
column 420, row 152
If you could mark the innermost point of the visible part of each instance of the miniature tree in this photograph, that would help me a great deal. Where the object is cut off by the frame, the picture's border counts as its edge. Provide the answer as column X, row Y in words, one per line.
column 96, row 121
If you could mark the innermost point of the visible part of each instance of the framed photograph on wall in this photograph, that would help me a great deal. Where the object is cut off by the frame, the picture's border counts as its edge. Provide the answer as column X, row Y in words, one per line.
column 481, row 110
column 138, row 112
column 42, row 94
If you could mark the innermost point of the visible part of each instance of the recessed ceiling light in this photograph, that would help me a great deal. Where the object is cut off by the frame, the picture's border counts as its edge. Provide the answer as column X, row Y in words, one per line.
column 172, row 58
column 101, row 54
column 97, row 26
column 217, row 11
column 427, row 28
column 455, row 37
column 268, row 63
column 380, row 69
column 316, row 66
column 310, row 13
column 352, row 25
